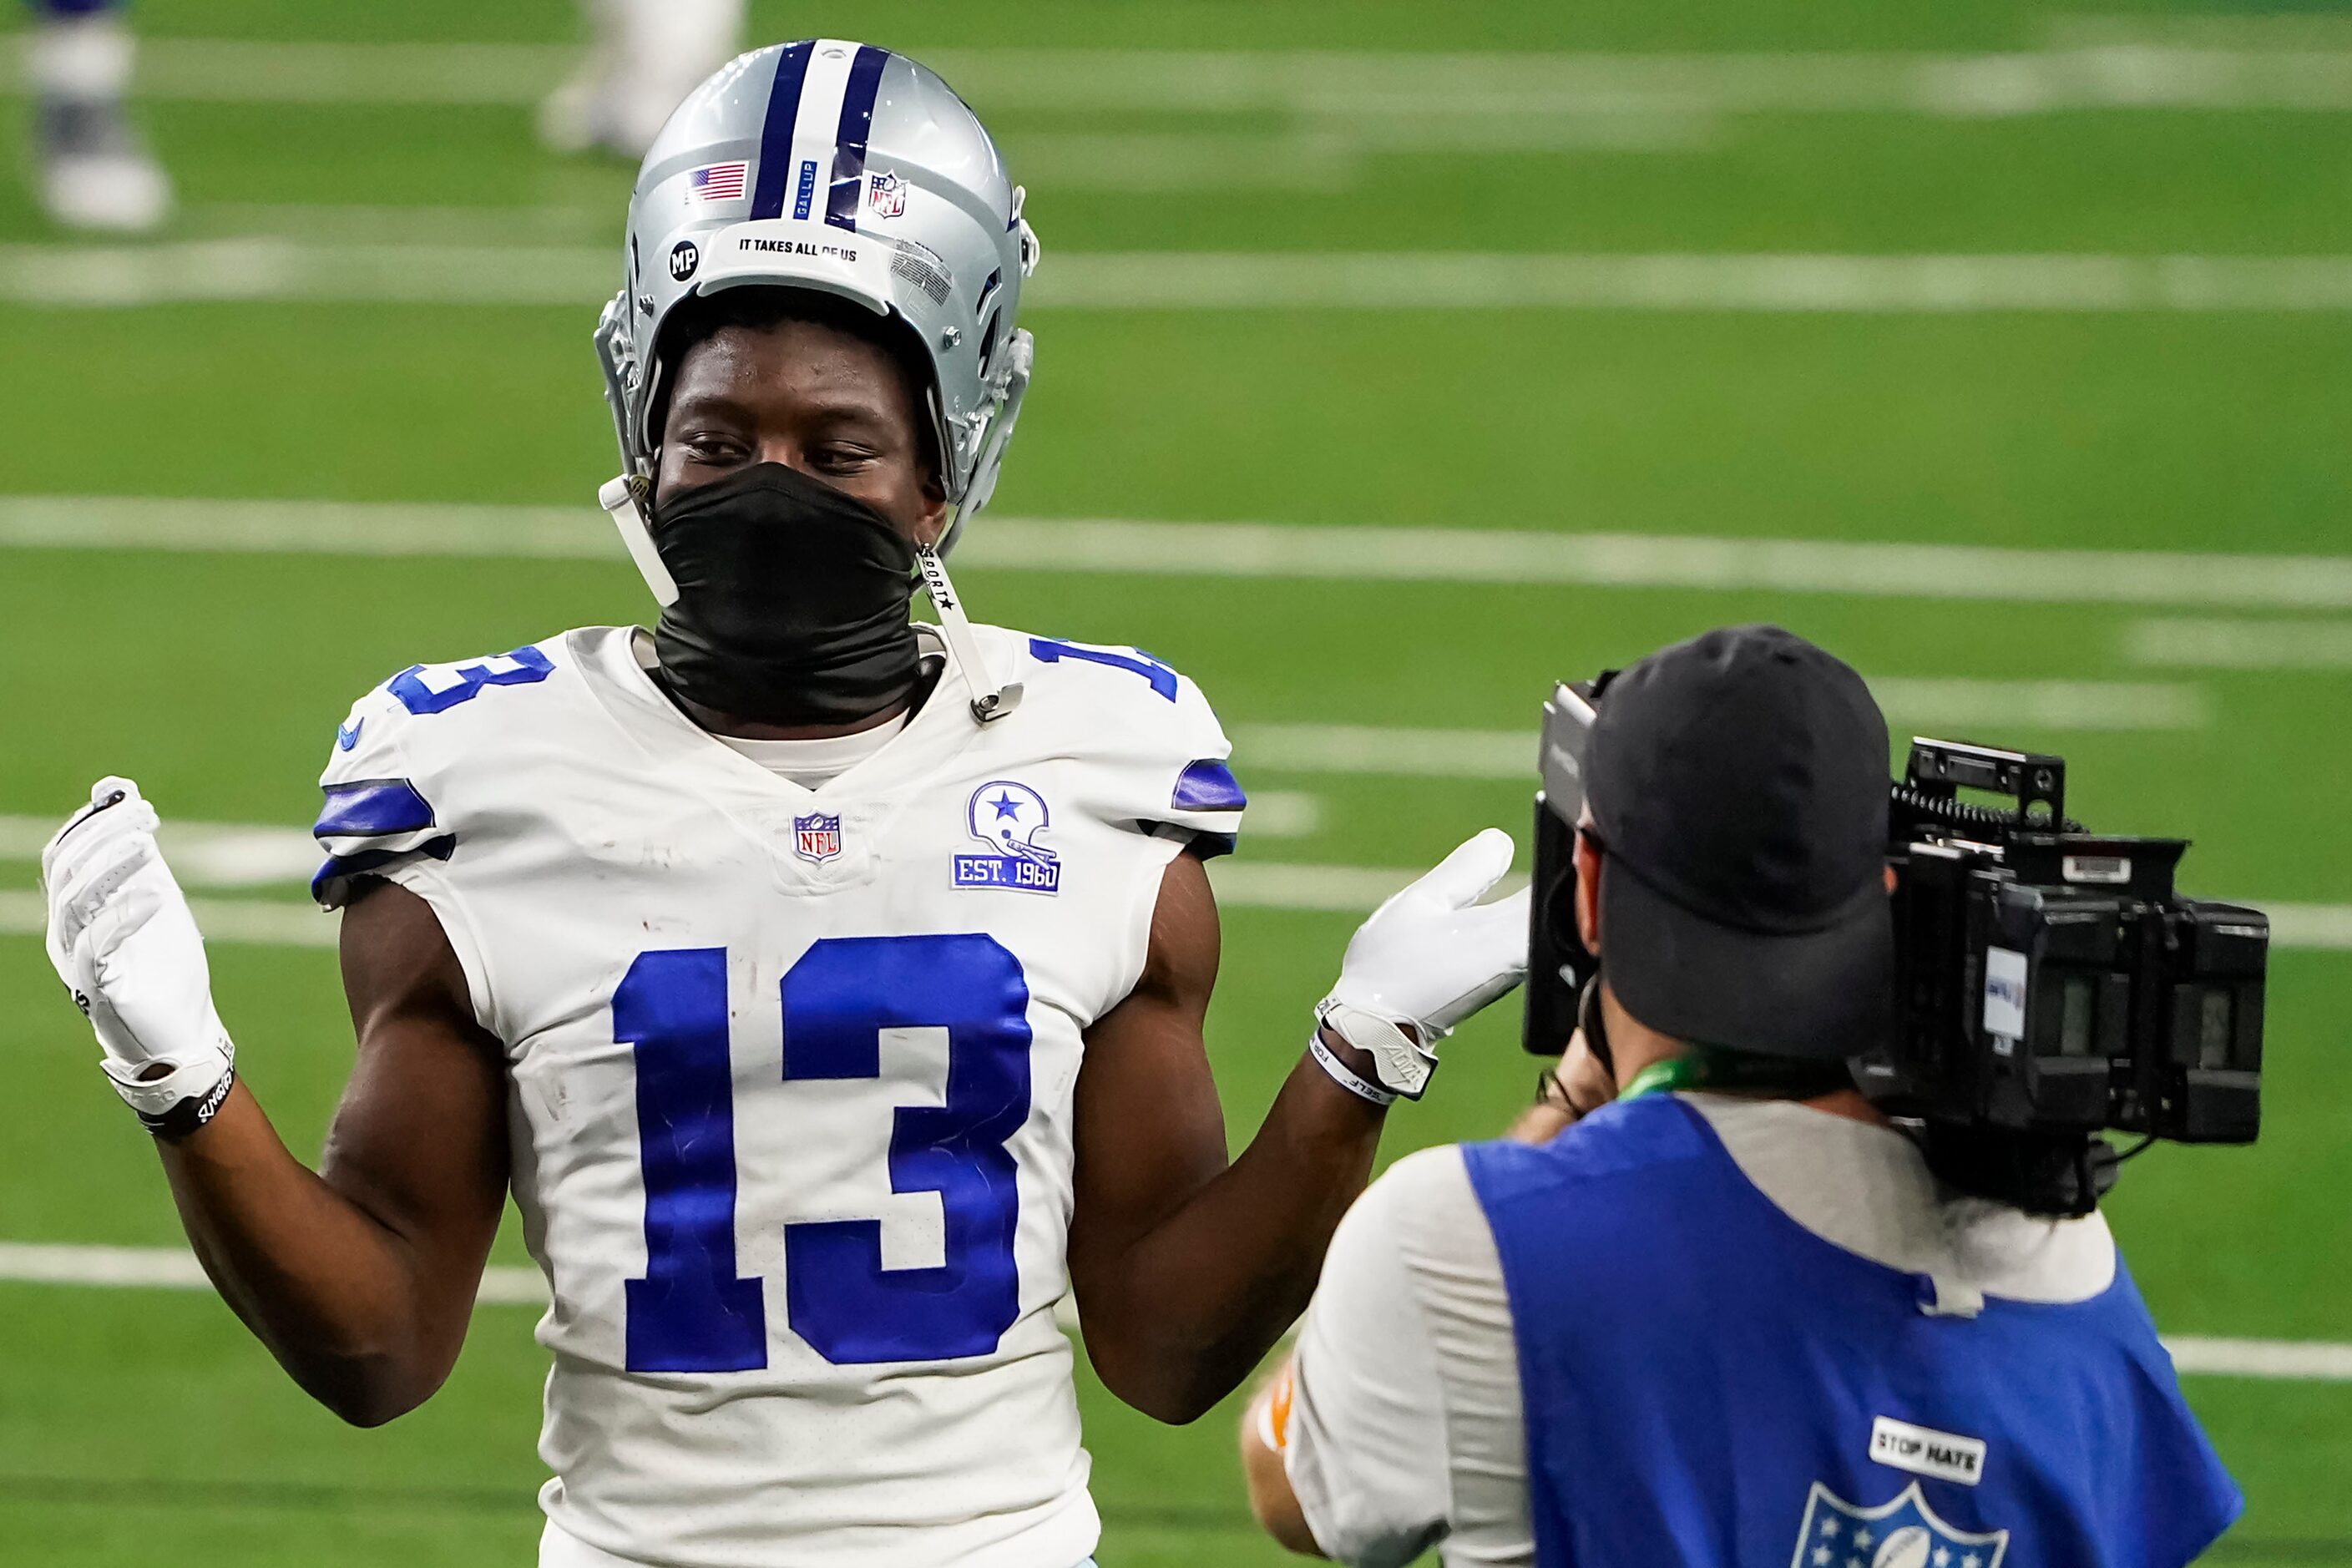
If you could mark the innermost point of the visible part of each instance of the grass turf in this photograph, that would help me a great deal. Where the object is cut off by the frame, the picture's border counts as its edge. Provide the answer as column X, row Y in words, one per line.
column 140, row 1424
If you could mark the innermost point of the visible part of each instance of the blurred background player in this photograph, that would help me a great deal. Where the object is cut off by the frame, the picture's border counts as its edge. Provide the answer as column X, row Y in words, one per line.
column 644, row 58
column 91, row 168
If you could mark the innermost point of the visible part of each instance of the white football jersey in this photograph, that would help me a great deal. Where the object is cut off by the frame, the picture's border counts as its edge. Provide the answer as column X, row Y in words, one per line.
column 791, row 1076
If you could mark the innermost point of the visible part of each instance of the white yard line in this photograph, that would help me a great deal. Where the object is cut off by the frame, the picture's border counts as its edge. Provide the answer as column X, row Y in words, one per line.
column 236, row 922
column 479, row 271
column 175, row 1268
column 2309, row 1360
column 331, row 528
column 261, row 267
column 1684, row 282
column 1283, row 814
column 2315, row 928
column 2116, row 70
column 204, row 853
column 1530, row 557
column 2188, row 644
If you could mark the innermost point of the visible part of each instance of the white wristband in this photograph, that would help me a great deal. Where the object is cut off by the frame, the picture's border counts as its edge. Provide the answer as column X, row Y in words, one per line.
column 1343, row 1075
column 1401, row 1066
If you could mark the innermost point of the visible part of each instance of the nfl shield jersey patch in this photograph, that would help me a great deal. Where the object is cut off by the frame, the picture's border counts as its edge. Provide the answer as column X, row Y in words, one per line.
column 1903, row 1533
column 816, row 837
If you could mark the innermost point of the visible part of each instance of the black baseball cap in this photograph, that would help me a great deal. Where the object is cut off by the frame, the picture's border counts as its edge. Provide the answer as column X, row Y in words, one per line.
column 1738, row 784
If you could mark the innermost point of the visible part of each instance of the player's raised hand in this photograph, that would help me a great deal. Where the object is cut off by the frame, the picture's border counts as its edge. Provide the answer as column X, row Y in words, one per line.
column 121, row 939
column 1427, row 959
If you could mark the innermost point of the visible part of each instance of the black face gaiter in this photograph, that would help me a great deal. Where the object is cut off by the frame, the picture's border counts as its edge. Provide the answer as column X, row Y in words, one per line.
column 791, row 600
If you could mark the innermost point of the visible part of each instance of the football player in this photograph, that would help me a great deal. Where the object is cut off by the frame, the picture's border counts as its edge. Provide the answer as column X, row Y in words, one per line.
column 92, row 169
column 826, row 988
column 643, row 58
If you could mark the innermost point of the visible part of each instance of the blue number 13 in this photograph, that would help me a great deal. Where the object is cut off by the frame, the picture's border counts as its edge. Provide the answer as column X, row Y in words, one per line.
column 692, row 1312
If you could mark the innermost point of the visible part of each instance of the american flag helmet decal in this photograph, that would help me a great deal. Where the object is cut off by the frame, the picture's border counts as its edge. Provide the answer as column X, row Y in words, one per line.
column 720, row 181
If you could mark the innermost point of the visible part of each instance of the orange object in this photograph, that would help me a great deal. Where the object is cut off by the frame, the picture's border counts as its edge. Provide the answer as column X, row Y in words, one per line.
column 1278, row 1407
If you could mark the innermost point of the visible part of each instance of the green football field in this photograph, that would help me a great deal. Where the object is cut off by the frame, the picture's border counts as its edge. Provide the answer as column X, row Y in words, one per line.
column 1509, row 341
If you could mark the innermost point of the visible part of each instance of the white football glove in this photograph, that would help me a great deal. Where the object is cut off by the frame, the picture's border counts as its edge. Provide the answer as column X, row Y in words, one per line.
column 1428, row 959
column 123, row 940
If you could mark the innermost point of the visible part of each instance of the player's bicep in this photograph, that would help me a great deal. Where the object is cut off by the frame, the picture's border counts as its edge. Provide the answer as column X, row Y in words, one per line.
column 1150, row 1130
column 419, row 1141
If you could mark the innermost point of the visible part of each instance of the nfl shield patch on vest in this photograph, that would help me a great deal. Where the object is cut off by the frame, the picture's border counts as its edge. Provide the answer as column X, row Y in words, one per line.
column 816, row 839
column 1904, row 1533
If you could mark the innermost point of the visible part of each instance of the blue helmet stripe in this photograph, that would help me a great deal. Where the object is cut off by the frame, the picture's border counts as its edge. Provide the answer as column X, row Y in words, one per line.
column 849, row 142
column 776, row 132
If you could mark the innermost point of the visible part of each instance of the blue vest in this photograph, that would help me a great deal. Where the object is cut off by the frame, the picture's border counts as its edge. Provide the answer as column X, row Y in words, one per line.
column 1708, row 1383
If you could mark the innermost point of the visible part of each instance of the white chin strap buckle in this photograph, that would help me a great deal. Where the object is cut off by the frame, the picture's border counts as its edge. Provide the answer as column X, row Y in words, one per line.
column 618, row 497
column 989, row 701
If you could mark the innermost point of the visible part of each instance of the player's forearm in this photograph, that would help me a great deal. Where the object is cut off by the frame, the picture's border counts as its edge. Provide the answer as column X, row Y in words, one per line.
column 325, row 1286
column 1200, row 1299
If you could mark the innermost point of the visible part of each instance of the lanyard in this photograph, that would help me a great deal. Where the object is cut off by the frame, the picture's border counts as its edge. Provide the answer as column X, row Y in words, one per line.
column 1737, row 1070
column 1664, row 1077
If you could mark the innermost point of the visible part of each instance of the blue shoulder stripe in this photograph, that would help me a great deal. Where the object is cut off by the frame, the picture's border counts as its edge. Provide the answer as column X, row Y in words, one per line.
column 372, row 808
column 1208, row 785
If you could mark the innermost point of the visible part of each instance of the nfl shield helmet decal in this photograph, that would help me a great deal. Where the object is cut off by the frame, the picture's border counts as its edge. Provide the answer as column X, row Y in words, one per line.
column 1904, row 1533
column 887, row 195
column 1009, row 817
column 816, row 837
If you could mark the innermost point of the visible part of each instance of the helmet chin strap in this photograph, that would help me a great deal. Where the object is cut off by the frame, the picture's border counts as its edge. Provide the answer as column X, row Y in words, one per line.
column 989, row 700
column 618, row 497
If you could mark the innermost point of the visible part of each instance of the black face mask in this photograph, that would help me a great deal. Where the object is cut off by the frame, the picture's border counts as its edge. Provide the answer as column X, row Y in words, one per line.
column 791, row 600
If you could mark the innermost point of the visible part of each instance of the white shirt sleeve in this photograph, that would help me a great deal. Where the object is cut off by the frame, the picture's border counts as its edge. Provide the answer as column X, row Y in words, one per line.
column 1405, row 1426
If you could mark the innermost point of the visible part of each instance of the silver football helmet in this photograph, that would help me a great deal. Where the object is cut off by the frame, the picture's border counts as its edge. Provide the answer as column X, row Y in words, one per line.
column 838, row 166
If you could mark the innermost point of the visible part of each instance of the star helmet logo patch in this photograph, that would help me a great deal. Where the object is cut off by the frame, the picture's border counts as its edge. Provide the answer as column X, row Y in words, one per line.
column 1903, row 1533
column 816, row 837
column 1009, row 817
column 888, row 194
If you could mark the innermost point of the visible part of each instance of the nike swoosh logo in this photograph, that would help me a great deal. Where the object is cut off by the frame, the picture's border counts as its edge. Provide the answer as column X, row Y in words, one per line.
column 348, row 736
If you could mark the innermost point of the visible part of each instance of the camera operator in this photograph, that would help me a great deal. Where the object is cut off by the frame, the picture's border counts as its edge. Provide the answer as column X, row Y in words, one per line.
column 1716, row 1310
